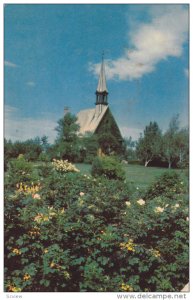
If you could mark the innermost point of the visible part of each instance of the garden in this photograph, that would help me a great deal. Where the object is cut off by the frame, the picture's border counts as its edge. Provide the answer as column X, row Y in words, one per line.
column 67, row 230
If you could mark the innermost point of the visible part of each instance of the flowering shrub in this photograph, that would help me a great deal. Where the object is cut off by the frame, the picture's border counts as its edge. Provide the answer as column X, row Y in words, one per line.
column 168, row 184
column 64, row 166
column 20, row 170
column 74, row 232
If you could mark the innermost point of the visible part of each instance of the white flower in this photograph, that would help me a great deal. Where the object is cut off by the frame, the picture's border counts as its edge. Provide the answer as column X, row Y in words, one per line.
column 177, row 205
column 36, row 196
column 159, row 209
column 128, row 203
column 141, row 202
column 81, row 194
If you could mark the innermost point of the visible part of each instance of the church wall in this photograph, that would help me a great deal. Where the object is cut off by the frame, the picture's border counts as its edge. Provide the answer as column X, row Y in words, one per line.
column 109, row 125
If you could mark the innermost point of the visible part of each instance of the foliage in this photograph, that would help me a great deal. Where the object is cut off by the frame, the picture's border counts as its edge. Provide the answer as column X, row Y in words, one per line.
column 175, row 144
column 108, row 166
column 67, row 128
column 90, row 146
column 67, row 142
column 20, row 170
column 148, row 146
column 168, row 185
column 31, row 149
column 71, row 232
column 130, row 151
column 182, row 145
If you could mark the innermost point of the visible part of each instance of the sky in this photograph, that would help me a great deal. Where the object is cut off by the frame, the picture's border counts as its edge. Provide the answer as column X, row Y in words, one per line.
column 52, row 57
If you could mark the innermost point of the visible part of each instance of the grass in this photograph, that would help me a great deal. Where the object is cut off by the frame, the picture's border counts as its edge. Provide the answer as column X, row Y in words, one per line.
column 141, row 176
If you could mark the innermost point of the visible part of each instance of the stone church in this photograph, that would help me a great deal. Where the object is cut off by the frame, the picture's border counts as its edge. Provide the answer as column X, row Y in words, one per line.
column 99, row 120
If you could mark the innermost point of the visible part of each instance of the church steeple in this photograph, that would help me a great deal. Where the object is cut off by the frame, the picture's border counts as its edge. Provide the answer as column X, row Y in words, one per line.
column 102, row 92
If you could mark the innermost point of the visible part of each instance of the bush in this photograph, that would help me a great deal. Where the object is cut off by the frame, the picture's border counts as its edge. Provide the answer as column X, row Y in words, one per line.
column 20, row 170
column 75, row 233
column 168, row 184
column 108, row 166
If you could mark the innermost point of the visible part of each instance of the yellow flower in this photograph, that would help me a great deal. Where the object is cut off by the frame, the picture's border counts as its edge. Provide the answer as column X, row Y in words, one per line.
column 12, row 288
column 159, row 209
column 16, row 251
column 66, row 275
column 26, row 277
column 130, row 246
column 45, row 250
column 35, row 231
column 155, row 252
column 52, row 264
column 62, row 211
column 141, row 202
column 126, row 287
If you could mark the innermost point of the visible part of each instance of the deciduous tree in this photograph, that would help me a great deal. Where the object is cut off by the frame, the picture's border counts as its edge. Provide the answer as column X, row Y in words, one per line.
column 149, row 145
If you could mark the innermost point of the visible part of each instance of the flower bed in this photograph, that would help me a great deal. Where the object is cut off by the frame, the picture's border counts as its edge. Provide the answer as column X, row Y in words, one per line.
column 72, row 232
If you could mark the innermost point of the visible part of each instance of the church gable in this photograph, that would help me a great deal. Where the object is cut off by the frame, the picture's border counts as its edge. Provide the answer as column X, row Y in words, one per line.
column 109, row 125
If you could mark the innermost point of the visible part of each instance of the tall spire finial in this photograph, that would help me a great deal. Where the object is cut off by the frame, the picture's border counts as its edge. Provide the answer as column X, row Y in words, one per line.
column 102, row 92
column 102, row 87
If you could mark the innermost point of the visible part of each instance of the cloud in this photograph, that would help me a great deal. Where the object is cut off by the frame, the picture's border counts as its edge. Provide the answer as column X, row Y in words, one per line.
column 31, row 83
column 186, row 72
column 10, row 64
column 163, row 37
column 22, row 128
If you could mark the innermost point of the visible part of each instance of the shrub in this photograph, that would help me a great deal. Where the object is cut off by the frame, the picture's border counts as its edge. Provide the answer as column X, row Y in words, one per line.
column 108, row 166
column 20, row 170
column 168, row 184
column 75, row 233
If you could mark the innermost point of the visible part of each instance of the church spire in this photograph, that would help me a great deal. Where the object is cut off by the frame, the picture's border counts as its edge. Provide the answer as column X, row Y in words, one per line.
column 102, row 92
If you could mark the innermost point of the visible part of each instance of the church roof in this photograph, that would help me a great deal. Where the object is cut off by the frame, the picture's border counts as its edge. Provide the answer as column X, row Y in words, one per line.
column 102, row 87
column 89, row 119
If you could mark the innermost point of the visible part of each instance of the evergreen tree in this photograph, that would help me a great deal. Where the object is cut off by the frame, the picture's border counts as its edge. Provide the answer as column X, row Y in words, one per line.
column 67, row 140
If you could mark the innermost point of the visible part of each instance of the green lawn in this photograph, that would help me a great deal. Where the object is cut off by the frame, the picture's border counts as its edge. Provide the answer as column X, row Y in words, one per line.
column 139, row 175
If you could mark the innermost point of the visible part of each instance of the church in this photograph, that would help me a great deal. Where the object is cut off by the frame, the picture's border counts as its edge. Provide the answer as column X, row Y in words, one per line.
column 99, row 120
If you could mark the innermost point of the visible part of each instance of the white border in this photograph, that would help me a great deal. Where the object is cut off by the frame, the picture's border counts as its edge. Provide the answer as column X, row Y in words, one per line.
column 105, row 296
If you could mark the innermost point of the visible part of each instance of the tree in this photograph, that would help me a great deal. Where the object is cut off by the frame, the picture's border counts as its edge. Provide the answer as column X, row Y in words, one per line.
column 89, row 146
column 130, row 145
column 149, row 145
column 182, row 142
column 44, row 143
column 67, row 140
column 175, row 143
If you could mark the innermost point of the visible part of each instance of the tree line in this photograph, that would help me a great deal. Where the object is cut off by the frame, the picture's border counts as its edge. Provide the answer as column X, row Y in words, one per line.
column 170, row 148
column 152, row 148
